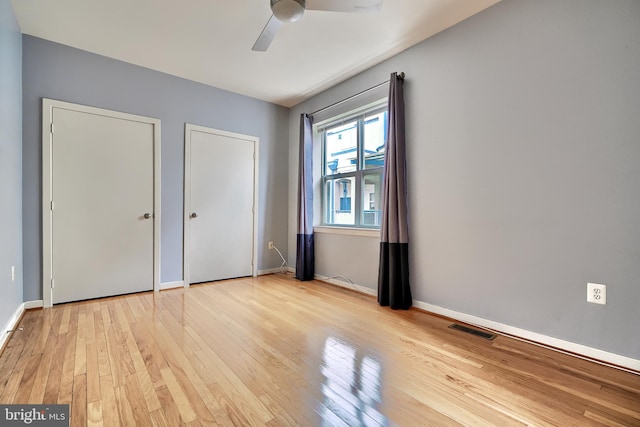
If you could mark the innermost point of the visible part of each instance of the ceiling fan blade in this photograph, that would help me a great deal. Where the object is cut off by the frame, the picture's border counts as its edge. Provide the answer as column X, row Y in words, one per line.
column 345, row 5
column 267, row 35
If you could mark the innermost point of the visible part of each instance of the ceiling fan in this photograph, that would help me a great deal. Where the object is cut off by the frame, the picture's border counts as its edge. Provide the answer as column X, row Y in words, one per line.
column 292, row 10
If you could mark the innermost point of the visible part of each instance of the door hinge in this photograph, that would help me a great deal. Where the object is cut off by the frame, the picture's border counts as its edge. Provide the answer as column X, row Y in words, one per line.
column 52, row 206
column 52, row 284
column 51, row 127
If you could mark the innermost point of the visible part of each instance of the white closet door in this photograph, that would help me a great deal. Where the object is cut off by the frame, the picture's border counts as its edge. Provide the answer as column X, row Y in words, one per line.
column 103, row 200
column 220, row 211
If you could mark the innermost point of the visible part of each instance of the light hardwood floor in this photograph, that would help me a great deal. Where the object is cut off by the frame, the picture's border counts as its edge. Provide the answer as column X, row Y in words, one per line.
column 274, row 351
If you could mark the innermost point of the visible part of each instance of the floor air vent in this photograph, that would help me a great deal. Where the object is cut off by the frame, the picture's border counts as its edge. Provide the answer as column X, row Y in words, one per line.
column 481, row 334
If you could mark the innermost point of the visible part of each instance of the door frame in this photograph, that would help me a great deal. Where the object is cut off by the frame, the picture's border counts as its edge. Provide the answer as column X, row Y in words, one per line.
column 187, row 193
column 47, row 186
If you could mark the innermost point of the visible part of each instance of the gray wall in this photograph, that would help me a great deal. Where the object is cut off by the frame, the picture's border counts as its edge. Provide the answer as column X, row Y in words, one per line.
column 10, row 162
column 59, row 72
column 524, row 169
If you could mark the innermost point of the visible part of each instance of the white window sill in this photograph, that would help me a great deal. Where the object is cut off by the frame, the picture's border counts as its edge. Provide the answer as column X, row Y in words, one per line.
column 350, row 231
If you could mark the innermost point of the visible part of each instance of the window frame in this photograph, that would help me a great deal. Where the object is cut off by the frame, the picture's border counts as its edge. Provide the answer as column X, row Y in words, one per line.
column 359, row 115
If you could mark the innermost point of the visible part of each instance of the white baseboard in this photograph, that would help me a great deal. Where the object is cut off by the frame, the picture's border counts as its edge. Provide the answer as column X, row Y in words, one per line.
column 276, row 270
column 348, row 285
column 557, row 344
column 172, row 285
column 270, row 271
column 33, row 304
column 11, row 325
column 577, row 350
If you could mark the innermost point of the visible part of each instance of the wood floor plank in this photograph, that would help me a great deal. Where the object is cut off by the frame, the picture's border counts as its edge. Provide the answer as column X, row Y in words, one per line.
column 201, row 399
column 43, row 332
column 11, row 388
column 90, row 335
column 38, row 388
column 66, row 317
column 180, row 398
column 228, row 412
column 169, row 407
column 143, row 378
column 7, row 363
column 80, row 366
column 137, row 401
column 28, row 379
column 158, row 419
column 93, row 372
column 94, row 414
column 116, row 355
column 32, row 331
column 124, row 407
column 110, row 412
column 79, row 402
column 608, row 420
column 104, row 367
column 55, row 372
column 151, row 355
column 278, row 352
column 65, row 391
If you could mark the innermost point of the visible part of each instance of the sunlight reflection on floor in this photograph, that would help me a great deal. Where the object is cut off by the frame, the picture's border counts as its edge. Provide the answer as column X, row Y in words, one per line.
column 352, row 386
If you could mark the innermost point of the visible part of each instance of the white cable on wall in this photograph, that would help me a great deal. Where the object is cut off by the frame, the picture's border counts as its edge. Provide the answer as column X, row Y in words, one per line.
column 283, row 266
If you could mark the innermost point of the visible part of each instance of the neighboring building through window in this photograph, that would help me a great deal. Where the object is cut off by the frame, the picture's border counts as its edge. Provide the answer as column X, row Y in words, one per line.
column 352, row 166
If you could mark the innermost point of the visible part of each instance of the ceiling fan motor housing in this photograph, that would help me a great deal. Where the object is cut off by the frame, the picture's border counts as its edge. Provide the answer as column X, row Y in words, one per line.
column 288, row 10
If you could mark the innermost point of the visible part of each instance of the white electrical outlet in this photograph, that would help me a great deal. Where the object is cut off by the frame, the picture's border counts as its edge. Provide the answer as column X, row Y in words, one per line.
column 270, row 245
column 13, row 273
column 596, row 293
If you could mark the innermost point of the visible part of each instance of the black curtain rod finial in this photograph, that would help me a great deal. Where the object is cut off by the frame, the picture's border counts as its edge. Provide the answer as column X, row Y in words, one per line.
column 401, row 75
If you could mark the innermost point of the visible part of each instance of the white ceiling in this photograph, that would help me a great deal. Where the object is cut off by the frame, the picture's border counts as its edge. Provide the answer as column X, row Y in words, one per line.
column 209, row 41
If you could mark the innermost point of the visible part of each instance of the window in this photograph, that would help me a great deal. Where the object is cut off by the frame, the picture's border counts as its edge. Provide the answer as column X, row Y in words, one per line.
column 352, row 166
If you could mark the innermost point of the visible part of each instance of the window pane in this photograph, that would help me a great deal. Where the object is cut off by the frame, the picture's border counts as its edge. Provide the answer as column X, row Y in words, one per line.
column 341, row 148
column 353, row 163
column 339, row 201
column 372, row 199
column 375, row 132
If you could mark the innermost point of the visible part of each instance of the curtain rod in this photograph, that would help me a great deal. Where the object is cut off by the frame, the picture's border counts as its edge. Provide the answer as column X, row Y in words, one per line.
column 400, row 74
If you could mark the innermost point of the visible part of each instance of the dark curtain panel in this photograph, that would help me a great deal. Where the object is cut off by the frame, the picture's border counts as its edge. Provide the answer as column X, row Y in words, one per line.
column 305, row 261
column 393, row 273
